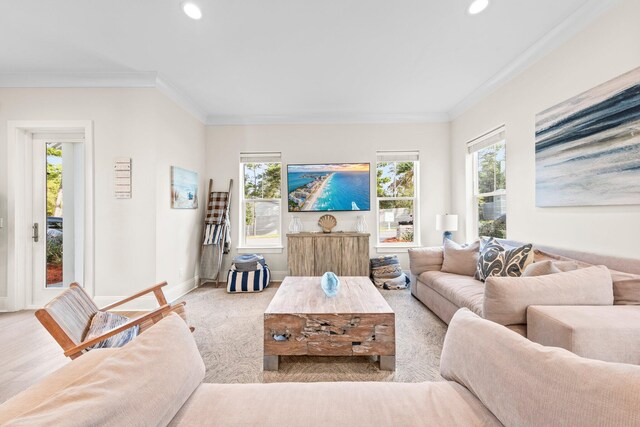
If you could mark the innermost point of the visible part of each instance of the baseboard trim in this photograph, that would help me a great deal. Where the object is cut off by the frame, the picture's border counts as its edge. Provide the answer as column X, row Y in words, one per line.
column 4, row 304
column 149, row 302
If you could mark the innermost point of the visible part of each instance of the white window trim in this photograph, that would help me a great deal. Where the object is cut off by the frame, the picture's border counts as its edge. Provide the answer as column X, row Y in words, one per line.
column 475, row 194
column 399, row 247
column 243, row 247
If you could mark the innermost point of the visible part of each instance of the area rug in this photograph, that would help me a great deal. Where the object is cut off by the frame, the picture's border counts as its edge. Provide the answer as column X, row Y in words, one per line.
column 229, row 333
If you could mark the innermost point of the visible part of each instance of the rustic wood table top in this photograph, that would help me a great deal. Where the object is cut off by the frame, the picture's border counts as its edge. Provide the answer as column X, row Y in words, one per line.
column 304, row 295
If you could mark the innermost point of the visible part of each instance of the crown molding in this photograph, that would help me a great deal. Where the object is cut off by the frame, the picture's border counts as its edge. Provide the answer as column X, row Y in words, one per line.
column 78, row 80
column 572, row 25
column 180, row 98
column 135, row 79
column 289, row 119
column 150, row 79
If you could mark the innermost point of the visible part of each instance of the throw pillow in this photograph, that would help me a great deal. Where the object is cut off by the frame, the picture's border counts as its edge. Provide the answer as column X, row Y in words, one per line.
column 460, row 259
column 103, row 322
column 546, row 267
column 496, row 260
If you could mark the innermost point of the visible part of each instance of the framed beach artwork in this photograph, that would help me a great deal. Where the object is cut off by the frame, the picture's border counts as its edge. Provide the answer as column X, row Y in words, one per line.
column 328, row 187
column 588, row 148
column 184, row 188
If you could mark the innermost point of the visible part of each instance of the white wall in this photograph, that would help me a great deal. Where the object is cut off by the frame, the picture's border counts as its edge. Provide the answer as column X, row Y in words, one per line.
column 335, row 143
column 138, row 241
column 604, row 50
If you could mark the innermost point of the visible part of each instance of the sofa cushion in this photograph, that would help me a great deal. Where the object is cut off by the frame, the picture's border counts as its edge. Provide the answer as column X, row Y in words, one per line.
column 525, row 384
column 506, row 298
column 425, row 259
column 143, row 383
column 460, row 259
column 546, row 267
column 498, row 260
column 463, row 291
column 626, row 286
column 345, row 404
column 52, row 384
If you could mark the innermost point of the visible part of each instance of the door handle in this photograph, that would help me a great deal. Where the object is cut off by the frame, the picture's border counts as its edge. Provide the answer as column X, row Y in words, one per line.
column 36, row 235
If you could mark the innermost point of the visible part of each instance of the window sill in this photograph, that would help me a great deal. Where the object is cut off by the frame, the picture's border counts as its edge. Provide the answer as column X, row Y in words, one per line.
column 255, row 249
column 392, row 249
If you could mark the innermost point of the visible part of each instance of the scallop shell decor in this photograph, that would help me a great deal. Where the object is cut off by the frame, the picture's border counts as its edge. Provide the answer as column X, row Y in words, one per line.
column 327, row 222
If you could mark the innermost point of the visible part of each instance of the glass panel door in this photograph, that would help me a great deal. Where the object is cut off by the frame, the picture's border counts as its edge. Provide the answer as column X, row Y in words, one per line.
column 55, row 216
column 58, row 218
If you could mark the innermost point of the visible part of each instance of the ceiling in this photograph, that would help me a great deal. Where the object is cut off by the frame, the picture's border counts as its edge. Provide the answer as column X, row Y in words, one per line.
column 286, row 59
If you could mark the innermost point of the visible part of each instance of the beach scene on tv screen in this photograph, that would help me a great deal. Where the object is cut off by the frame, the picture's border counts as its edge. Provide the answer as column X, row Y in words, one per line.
column 328, row 187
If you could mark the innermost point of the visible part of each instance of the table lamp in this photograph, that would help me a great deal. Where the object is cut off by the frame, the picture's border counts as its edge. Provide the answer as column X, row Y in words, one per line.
column 446, row 223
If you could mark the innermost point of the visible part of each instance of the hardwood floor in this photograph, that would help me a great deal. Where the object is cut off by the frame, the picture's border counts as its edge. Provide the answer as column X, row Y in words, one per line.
column 28, row 353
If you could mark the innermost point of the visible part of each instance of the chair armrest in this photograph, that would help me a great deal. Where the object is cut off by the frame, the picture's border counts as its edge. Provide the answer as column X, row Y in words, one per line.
column 156, row 289
column 73, row 351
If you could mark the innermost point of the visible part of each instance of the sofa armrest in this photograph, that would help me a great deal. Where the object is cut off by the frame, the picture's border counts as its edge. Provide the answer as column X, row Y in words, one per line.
column 425, row 259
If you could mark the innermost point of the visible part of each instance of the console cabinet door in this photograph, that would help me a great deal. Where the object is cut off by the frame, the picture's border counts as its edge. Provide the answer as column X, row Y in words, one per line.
column 328, row 254
column 356, row 261
column 301, row 256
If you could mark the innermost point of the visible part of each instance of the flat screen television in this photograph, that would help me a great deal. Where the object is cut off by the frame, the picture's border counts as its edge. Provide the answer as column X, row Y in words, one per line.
column 328, row 187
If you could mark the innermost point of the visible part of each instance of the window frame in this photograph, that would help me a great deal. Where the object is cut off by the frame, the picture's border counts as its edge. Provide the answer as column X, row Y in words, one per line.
column 243, row 245
column 381, row 246
column 499, row 134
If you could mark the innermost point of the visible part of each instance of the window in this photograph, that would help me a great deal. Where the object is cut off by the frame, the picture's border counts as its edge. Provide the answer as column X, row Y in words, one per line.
column 260, row 201
column 488, row 155
column 397, row 198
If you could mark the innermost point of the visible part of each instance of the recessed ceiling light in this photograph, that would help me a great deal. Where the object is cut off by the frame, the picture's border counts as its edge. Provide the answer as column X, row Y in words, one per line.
column 192, row 10
column 477, row 6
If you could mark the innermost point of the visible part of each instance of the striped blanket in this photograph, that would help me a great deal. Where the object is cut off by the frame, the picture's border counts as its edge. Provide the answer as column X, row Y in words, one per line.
column 217, row 225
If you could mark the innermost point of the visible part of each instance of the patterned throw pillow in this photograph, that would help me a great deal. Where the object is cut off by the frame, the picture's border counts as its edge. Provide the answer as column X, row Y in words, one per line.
column 496, row 260
column 102, row 322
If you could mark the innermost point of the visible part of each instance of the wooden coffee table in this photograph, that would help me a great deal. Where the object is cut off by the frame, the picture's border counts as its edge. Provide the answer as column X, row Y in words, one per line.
column 302, row 320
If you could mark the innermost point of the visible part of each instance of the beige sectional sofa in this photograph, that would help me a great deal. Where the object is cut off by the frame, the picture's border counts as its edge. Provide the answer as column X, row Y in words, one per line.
column 444, row 293
column 592, row 310
column 494, row 377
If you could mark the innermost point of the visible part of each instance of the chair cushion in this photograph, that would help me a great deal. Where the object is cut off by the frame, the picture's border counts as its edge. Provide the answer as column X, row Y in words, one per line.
column 460, row 259
column 525, row 384
column 103, row 322
column 144, row 383
column 72, row 310
column 506, row 298
column 461, row 290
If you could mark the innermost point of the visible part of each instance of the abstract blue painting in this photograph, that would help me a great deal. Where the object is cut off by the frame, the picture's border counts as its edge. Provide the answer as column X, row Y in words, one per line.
column 588, row 148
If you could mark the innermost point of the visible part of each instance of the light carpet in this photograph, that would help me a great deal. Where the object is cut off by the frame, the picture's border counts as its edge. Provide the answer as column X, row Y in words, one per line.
column 229, row 334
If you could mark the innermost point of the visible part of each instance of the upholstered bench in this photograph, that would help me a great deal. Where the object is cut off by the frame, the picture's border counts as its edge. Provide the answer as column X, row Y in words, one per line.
column 609, row 333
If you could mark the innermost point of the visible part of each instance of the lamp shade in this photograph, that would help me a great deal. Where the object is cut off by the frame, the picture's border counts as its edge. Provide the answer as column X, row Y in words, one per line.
column 447, row 222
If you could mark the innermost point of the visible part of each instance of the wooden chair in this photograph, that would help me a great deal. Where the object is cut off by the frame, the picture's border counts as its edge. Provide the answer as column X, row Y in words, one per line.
column 68, row 316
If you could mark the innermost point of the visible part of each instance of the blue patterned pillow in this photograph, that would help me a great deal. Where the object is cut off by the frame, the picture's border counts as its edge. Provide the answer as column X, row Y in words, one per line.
column 496, row 260
column 103, row 322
